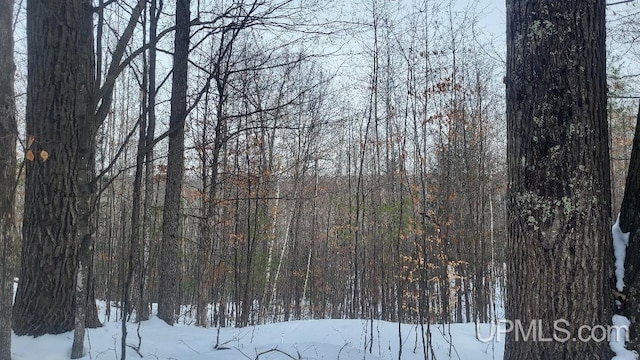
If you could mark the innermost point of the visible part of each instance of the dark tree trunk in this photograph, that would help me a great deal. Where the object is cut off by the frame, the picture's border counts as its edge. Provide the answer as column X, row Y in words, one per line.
column 148, row 219
column 630, row 222
column 559, row 245
column 45, row 302
column 168, row 300
column 8, row 134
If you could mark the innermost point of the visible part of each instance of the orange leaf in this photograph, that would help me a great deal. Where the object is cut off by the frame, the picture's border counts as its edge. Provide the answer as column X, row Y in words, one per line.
column 29, row 155
column 31, row 140
column 44, row 155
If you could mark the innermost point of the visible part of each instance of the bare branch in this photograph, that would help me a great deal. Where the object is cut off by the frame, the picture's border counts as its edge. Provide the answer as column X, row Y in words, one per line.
column 105, row 93
column 620, row 2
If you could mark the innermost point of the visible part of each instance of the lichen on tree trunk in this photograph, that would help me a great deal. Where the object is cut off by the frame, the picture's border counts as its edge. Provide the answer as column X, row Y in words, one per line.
column 559, row 245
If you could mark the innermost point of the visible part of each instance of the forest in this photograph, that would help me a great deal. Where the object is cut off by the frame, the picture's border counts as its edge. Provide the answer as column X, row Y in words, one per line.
column 236, row 163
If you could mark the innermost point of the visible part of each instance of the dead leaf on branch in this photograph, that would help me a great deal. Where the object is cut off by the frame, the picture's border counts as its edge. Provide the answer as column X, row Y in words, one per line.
column 29, row 155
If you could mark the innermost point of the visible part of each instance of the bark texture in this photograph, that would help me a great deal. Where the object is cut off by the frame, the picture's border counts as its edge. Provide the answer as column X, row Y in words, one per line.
column 559, row 245
column 168, row 301
column 8, row 133
column 630, row 222
column 60, row 127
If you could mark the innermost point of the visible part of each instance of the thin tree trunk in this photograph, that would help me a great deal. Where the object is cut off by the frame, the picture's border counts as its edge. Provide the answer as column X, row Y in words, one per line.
column 86, row 173
column 8, row 134
column 148, row 219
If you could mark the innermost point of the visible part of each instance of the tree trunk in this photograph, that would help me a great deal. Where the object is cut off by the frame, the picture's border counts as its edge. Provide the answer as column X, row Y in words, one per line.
column 630, row 222
column 45, row 301
column 559, row 243
column 85, row 165
column 8, row 134
column 169, row 261
column 147, row 223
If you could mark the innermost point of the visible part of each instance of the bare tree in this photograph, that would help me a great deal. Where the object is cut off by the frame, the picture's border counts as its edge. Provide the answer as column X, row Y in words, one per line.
column 168, row 301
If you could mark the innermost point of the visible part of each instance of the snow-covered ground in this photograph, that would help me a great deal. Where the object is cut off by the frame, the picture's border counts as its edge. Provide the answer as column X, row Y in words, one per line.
column 310, row 339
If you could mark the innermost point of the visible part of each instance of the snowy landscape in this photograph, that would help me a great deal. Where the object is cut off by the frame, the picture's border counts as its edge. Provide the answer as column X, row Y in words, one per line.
column 324, row 179
column 310, row 339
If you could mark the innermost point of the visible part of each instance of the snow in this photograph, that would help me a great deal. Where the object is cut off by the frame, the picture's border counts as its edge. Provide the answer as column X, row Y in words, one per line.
column 309, row 339
column 620, row 243
column 617, row 339
column 621, row 323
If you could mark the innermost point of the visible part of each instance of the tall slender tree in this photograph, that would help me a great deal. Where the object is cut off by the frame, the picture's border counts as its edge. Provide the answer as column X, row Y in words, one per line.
column 558, row 166
column 168, row 300
column 8, row 134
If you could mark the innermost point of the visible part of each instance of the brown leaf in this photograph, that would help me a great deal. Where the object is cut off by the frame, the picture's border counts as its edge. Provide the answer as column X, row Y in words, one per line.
column 29, row 155
column 44, row 155
column 30, row 141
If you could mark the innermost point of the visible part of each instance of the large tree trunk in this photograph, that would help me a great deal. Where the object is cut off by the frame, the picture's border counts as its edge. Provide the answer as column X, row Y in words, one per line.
column 8, row 133
column 45, row 301
column 63, row 115
column 559, row 245
column 169, row 262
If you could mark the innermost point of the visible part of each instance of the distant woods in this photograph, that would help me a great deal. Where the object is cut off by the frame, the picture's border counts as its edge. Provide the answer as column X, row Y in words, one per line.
column 303, row 197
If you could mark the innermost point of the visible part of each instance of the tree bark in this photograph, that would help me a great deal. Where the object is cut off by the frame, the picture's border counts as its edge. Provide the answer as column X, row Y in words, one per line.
column 45, row 301
column 168, row 301
column 85, row 167
column 630, row 222
column 64, row 111
column 147, row 223
column 559, row 202
column 8, row 134
column 559, row 243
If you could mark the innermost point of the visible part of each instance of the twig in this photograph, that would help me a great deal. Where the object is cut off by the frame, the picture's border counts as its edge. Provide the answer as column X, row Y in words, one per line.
column 620, row 2
column 449, row 341
column 89, row 342
column 342, row 348
column 278, row 351
column 136, row 349
column 187, row 345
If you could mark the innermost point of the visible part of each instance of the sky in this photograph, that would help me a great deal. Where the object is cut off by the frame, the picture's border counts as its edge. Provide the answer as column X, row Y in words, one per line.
column 494, row 18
